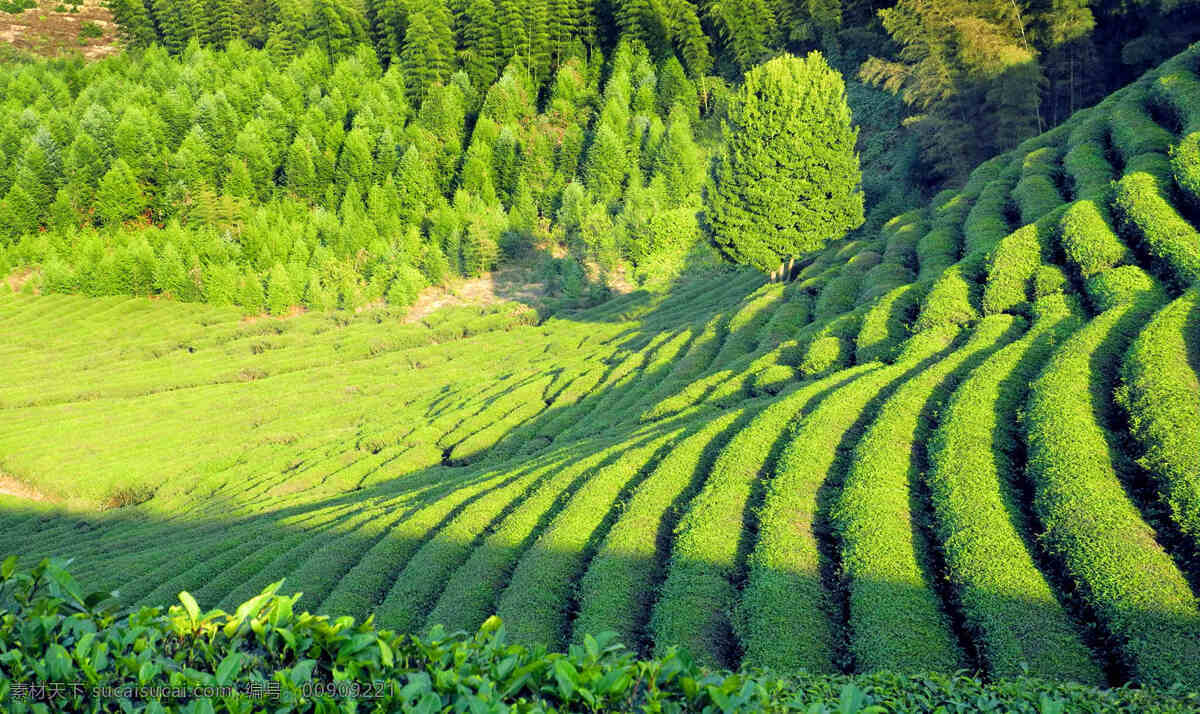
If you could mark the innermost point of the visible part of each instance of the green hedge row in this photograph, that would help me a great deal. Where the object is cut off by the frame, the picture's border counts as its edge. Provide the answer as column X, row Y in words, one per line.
column 1178, row 90
column 1118, row 286
column 745, row 324
column 1091, row 526
column 469, row 595
column 535, row 603
column 1161, row 394
column 981, row 176
column 1134, row 132
column 1013, row 263
column 1142, row 202
column 786, row 619
column 885, row 324
column 1007, row 604
column 266, row 644
column 699, row 591
column 617, row 592
column 936, row 252
column 897, row 622
column 953, row 297
column 1090, row 171
column 1185, row 167
column 988, row 222
column 1088, row 240
column 403, row 575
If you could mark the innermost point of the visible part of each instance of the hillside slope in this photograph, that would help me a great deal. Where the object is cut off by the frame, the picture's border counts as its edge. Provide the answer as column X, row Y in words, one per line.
column 965, row 442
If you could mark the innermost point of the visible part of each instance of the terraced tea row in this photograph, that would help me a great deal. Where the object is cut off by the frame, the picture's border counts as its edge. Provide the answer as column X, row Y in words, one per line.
column 967, row 441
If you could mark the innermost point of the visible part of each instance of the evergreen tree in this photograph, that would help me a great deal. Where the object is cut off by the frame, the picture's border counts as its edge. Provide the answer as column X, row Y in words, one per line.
column 299, row 171
column 119, row 196
column 280, row 295
column 134, row 142
column 480, row 54
column 678, row 160
column 250, row 293
column 514, row 42
column 355, row 162
column 224, row 23
column 788, row 179
column 19, row 213
column 420, row 59
column 606, row 165
column 134, row 25
column 414, row 185
column 172, row 27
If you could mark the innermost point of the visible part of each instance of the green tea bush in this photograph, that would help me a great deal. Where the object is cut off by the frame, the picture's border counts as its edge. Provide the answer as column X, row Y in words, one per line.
column 699, row 591
column 987, row 222
column 1012, row 264
column 1119, row 286
column 1089, row 169
column 617, row 589
column 1141, row 202
column 1088, row 240
column 972, row 454
column 952, row 297
column 936, row 252
column 1185, row 167
column 1161, row 394
column 1133, row 130
column 1035, row 196
column 1091, row 526
column 303, row 663
column 781, row 619
column 896, row 620
column 885, row 325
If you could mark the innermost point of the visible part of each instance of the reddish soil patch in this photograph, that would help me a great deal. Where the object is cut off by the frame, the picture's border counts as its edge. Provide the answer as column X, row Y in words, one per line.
column 47, row 30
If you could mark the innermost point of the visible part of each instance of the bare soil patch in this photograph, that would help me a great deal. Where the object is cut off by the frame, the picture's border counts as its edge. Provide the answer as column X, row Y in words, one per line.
column 49, row 31
column 514, row 283
column 10, row 486
column 17, row 280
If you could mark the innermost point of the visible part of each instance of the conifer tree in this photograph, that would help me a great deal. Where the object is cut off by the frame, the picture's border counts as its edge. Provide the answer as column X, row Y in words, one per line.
column 480, row 54
column 134, row 24
column 135, row 142
column 355, row 162
column 250, row 293
column 194, row 162
column 420, row 58
column 514, row 42
column 298, row 169
column 280, row 294
column 172, row 28
column 788, row 178
column 224, row 23
column 414, row 186
column 19, row 213
column 678, row 160
column 119, row 196
column 606, row 165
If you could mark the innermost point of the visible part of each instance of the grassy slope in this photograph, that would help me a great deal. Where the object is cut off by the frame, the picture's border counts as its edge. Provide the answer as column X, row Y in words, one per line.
column 708, row 452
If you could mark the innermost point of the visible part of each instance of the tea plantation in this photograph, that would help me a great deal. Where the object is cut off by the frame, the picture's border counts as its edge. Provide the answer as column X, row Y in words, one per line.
column 967, row 441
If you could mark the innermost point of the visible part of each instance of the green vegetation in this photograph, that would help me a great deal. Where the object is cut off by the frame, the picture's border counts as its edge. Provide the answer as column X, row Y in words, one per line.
column 261, row 322
column 786, row 182
column 314, row 663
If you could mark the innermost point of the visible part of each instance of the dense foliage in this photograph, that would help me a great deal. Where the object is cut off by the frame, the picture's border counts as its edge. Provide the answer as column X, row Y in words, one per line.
column 234, row 178
column 83, row 657
column 787, row 180
column 978, row 76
